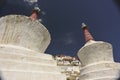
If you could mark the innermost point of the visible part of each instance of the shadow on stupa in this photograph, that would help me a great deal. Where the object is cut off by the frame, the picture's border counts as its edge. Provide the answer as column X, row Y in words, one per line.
column 118, row 79
column 1, row 78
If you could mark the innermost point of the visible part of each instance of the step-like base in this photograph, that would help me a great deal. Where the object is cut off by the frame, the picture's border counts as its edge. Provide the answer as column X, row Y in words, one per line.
column 99, row 67
column 108, row 78
column 30, row 59
column 105, row 78
column 23, row 75
column 115, row 73
column 15, row 65
column 11, row 49
column 18, row 63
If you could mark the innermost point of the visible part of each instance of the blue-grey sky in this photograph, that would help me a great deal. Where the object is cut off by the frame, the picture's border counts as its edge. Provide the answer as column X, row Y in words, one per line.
column 63, row 19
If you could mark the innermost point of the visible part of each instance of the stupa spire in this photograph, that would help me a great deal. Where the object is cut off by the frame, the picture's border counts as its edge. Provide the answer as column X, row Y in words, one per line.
column 87, row 34
column 35, row 13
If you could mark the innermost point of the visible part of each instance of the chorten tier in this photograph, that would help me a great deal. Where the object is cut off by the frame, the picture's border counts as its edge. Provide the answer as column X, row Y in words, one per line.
column 95, row 51
column 21, row 31
column 97, row 60
column 23, row 41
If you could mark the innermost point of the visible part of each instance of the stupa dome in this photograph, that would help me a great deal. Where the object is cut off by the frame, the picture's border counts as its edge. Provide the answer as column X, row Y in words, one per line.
column 19, row 30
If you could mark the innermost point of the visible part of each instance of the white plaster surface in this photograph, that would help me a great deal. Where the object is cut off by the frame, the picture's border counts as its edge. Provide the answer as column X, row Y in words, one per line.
column 25, row 66
column 16, row 50
column 101, row 74
column 99, row 67
column 22, row 31
column 26, row 75
column 97, row 62
column 22, row 46
column 95, row 52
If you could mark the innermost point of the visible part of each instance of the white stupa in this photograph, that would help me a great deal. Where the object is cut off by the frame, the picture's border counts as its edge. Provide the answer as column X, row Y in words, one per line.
column 97, row 60
column 23, row 41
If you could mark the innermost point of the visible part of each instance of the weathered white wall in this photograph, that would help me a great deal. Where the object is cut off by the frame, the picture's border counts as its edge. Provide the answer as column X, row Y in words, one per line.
column 95, row 51
column 21, row 31
column 97, row 62
column 22, row 44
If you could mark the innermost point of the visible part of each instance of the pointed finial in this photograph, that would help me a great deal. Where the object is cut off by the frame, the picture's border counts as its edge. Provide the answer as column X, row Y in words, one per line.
column 35, row 12
column 87, row 34
column 84, row 25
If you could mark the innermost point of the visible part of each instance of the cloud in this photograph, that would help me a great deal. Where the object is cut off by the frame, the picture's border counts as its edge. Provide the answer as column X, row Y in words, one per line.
column 68, row 39
column 30, row 2
column 43, row 13
column 22, row 2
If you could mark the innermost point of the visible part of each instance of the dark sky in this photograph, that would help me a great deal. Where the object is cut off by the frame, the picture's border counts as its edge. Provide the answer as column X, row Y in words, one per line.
column 63, row 19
